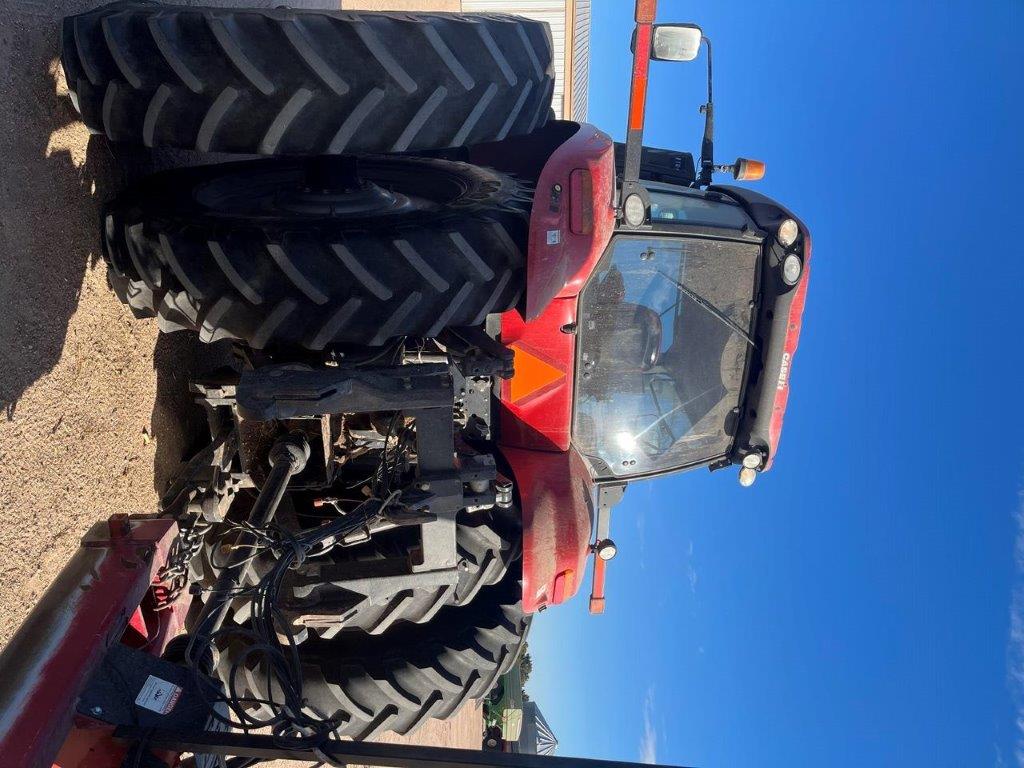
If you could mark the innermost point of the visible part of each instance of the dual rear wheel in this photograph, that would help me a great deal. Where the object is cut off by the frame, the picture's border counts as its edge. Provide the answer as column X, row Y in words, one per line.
column 311, row 253
column 278, row 255
column 312, row 249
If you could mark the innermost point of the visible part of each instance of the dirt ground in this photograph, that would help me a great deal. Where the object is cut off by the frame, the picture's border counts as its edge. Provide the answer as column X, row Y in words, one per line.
column 93, row 401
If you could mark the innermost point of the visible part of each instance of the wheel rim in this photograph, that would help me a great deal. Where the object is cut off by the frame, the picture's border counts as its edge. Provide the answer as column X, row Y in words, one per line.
column 367, row 199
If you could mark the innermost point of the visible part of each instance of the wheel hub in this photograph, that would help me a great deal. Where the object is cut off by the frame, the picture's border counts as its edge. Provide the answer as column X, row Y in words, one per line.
column 363, row 198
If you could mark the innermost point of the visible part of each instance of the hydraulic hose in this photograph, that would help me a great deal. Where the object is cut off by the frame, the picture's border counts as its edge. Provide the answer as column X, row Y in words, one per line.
column 288, row 457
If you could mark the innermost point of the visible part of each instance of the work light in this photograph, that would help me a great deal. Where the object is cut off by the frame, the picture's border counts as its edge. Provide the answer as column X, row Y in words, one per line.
column 634, row 211
column 788, row 232
column 791, row 269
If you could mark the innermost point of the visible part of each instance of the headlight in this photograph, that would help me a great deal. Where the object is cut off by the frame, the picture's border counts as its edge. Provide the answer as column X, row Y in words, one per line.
column 634, row 211
column 606, row 549
column 791, row 269
column 752, row 460
column 788, row 233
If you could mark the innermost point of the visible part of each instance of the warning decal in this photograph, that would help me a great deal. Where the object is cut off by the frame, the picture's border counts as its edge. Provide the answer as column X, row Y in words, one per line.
column 158, row 695
column 532, row 374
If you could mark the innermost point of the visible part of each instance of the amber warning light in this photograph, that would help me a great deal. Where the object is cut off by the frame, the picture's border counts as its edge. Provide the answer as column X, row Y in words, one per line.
column 744, row 169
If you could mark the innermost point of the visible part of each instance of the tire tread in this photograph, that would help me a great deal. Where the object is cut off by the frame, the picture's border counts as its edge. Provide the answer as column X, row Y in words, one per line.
column 398, row 682
column 297, row 284
column 302, row 82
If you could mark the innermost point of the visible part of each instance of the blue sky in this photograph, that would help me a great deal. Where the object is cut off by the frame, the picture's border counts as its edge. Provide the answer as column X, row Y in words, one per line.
column 854, row 607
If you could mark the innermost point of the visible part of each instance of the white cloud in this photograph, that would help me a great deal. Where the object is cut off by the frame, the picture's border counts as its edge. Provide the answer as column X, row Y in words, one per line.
column 649, row 738
column 1015, row 651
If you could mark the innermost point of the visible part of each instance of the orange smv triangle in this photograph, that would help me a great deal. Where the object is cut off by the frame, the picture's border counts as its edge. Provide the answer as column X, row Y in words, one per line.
column 532, row 374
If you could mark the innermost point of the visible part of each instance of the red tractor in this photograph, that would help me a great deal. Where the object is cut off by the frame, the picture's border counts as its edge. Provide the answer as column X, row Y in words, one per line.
column 458, row 329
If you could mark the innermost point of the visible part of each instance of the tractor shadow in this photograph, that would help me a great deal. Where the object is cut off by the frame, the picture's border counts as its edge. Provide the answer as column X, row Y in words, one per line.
column 48, row 216
column 178, row 422
column 54, row 177
column 54, row 180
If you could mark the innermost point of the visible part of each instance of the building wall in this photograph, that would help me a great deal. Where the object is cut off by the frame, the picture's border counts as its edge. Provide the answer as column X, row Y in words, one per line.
column 579, row 60
column 570, row 32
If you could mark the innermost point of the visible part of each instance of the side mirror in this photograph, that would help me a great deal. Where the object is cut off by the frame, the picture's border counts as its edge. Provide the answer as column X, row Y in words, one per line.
column 676, row 42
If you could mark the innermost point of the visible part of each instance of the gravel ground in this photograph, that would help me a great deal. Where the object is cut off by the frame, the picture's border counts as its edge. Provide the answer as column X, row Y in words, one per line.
column 93, row 402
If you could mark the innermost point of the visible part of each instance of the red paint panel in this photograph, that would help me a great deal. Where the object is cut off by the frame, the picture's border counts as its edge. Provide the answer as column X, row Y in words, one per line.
column 91, row 744
column 565, row 586
column 555, row 491
column 541, row 419
column 796, row 313
column 559, row 261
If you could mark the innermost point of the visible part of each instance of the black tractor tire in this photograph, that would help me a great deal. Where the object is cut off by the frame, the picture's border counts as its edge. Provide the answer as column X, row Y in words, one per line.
column 399, row 680
column 300, row 82
column 248, row 251
column 485, row 555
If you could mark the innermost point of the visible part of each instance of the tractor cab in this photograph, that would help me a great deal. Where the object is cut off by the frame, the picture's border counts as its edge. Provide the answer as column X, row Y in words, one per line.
column 675, row 334
column 696, row 275
column 661, row 315
column 664, row 336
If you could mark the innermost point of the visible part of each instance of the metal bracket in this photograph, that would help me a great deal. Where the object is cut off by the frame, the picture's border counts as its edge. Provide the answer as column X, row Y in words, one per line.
column 437, row 474
column 478, row 354
column 422, row 391
column 603, row 548
column 352, row 752
column 290, row 391
column 608, row 495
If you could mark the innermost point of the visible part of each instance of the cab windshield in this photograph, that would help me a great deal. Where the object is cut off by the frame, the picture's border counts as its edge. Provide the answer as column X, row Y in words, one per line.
column 663, row 342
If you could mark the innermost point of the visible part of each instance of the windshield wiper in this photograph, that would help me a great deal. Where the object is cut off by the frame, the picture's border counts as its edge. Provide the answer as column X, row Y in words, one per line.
column 701, row 301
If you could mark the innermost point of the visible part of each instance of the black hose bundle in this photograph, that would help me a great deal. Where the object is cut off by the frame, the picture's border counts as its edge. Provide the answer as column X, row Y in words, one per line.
column 268, row 642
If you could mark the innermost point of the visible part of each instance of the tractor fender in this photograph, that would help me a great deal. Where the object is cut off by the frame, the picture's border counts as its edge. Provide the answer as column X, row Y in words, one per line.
column 556, row 496
column 572, row 218
column 571, row 223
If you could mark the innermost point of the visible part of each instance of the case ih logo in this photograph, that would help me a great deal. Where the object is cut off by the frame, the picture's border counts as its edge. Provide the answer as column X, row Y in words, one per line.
column 783, row 372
